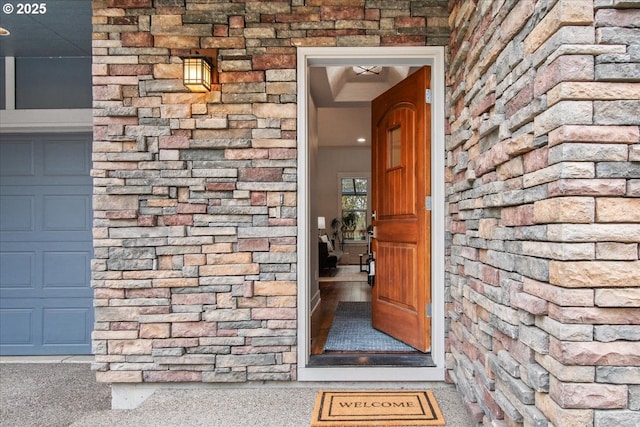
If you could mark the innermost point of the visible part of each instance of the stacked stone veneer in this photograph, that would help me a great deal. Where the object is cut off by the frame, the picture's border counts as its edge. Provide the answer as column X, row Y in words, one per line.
column 195, row 194
column 543, row 189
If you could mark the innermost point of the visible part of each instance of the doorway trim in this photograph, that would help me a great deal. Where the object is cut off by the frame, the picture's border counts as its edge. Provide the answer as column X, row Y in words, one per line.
column 348, row 56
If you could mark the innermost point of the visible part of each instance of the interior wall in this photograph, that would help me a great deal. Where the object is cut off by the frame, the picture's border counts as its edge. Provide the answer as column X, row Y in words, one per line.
column 314, row 288
column 332, row 163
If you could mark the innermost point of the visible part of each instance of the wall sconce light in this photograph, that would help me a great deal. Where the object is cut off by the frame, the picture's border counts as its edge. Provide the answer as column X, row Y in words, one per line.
column 199, row 69
column 321, row 223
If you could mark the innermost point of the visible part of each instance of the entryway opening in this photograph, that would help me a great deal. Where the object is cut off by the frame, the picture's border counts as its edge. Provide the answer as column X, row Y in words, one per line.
column 336, row 86
column 341, row 330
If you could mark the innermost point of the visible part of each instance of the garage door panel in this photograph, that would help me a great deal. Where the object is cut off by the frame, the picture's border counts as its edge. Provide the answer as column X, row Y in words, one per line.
column 66, row 325
column 62, row 158
column 16, row 326
column 31, row 209
column 64, row 270
column 28, row 213
column 46, row 326
column 16, row 213
column 17, row 158
column 65, row 212
column 52, row 270
column 45, row 244
column 17, row 270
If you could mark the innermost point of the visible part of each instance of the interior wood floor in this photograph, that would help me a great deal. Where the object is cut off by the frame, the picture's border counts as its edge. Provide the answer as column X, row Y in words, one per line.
column 330, row 294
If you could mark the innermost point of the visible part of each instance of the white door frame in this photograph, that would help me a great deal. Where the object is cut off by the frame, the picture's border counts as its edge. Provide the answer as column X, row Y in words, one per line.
column 348, row 56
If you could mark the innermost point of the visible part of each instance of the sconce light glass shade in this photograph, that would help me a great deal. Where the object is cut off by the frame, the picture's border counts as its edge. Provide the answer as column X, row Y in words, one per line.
column 321, row 223
column 197, row 74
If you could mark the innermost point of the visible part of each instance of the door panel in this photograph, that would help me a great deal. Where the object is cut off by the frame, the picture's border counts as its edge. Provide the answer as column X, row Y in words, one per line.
column 45, row 244
column 401, row 153
column 399, row 261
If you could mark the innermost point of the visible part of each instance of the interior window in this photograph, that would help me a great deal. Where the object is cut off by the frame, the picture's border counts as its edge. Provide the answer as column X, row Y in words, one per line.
column 354, row 208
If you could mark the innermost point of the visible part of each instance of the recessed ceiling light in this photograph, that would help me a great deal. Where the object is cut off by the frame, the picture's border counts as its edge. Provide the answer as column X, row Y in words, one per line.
column 4, row 32
column 361, row 140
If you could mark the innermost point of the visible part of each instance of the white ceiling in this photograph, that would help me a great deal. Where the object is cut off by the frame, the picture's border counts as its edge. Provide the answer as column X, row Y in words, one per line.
column 342, row 87
column 343, row 98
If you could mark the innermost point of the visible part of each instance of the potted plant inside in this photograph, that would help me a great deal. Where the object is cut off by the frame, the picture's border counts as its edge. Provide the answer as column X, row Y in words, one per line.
column 349, row 224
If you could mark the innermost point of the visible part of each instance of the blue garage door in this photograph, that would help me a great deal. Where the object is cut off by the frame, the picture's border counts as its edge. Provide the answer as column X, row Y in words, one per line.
column 45, row 244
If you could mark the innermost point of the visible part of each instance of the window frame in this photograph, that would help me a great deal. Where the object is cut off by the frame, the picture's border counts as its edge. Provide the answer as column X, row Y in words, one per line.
column 367, row 212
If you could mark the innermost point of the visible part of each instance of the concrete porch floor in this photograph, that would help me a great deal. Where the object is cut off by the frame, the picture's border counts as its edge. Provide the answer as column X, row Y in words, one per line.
column 62, row 391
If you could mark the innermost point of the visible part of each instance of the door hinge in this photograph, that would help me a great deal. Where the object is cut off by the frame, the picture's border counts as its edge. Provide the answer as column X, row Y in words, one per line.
column 427, row 203
column 427, row 96
column 428, row 309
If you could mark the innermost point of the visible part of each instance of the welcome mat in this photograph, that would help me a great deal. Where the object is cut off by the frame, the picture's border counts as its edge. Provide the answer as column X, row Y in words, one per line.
column 351, row 330
column 369, row 408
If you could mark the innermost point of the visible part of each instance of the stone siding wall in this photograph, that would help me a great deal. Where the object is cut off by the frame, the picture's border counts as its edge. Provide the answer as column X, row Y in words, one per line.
column 543, row 162
column 195, row 194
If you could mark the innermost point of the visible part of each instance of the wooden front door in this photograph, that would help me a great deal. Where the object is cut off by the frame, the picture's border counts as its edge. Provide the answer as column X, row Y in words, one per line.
column 401, row 186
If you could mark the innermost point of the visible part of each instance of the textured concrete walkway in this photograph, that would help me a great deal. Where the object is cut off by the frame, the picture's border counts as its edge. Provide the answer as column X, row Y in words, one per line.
column 66, row 394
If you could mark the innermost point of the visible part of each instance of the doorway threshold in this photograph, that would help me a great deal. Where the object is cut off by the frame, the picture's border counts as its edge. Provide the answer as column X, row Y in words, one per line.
column 418, row 360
